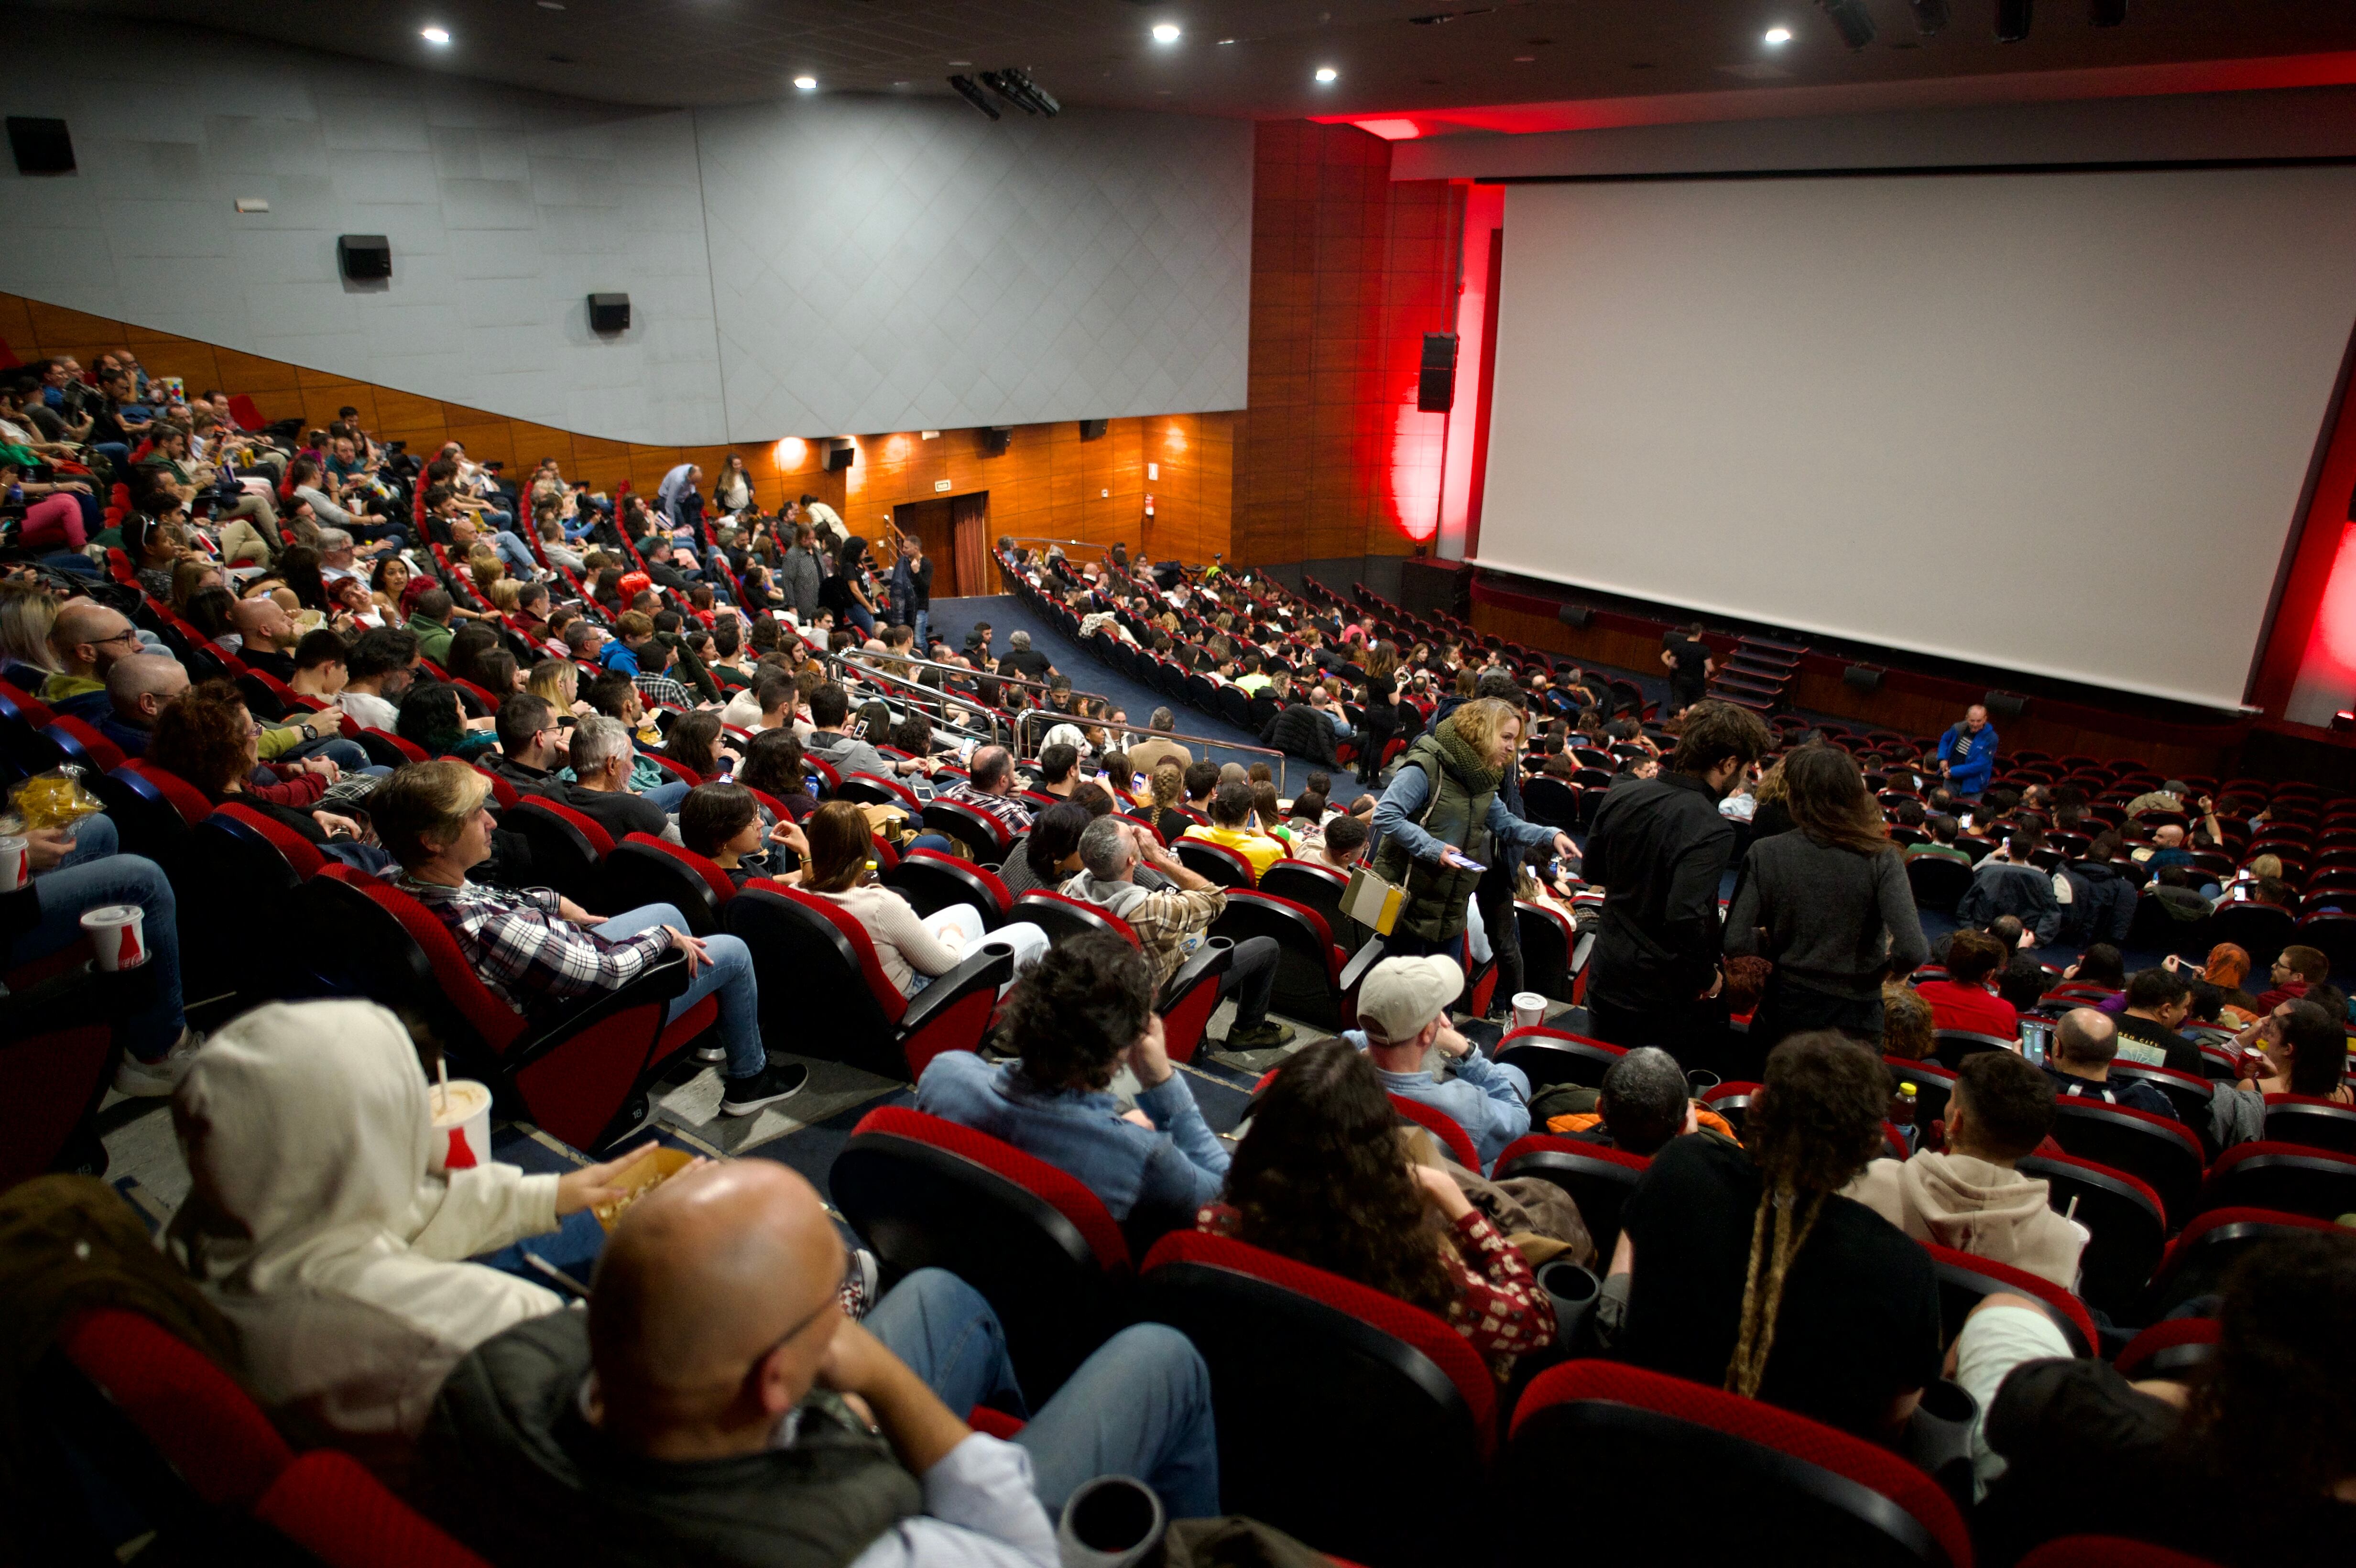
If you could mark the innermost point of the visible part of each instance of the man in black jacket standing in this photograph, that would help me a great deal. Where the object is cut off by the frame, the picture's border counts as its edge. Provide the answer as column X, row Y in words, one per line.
column 1659, row 850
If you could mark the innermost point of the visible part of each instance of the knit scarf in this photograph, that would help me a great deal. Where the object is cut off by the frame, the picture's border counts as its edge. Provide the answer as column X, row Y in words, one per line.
column 1472, row 771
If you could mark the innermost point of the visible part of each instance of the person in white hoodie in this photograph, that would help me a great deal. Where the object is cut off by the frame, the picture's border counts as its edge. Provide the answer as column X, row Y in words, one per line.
column 1971, row 1198
column 316, row 1227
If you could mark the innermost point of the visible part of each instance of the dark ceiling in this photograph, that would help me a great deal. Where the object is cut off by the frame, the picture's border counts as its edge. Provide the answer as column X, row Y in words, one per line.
column 1416, row 55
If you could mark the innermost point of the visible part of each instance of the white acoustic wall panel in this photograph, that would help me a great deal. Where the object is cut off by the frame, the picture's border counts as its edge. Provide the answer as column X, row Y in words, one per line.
column 885, row 264
column 2052, row 423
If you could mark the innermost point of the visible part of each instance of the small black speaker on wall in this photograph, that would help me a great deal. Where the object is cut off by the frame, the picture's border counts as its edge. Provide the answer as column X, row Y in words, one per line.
column 1864, row 677
column 363, row 257
column 1575, row 615
column 840, row 450
column 995, row 440
column 1092, row 430
column 609, row 312
column 1435, row 387
column 2004, row 705
column 41, row 146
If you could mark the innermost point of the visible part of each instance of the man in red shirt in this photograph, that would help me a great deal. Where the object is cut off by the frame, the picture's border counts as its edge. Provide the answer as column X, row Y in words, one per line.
column 2296, row 970
column 1963, row 1000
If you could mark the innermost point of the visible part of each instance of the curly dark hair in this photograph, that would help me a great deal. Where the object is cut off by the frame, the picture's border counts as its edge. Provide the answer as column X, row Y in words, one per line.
column 200, row 735
column 1055, row 835
column 1077, row 1011
column 772, row 764
column 2283, row 1380
column 689, row 743
column 1325, row 1180
column 432, row 717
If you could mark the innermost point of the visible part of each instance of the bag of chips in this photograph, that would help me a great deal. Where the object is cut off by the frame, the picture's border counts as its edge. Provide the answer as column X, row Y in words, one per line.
column 58, row 798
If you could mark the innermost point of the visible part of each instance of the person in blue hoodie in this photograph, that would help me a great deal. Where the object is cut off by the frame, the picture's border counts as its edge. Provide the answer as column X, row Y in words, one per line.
column 1966, row 754
column 1403, row 1003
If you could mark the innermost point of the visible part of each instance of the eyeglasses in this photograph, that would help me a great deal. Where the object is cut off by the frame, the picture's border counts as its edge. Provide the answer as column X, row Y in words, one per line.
column 128, row 633
column 782, row 1340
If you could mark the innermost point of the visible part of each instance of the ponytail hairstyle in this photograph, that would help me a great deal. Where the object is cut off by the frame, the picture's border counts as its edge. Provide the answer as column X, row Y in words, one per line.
column 1814, row 1125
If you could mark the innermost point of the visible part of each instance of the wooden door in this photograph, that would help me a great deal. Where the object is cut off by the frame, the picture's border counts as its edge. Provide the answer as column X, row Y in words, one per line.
column 970, row 517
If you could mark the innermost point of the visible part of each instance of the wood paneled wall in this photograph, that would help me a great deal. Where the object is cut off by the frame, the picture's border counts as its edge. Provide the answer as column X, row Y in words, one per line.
column 1349, row 271
column 1047, row 481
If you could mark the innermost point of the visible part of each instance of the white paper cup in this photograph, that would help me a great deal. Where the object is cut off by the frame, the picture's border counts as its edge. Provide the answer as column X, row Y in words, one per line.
column 119, row 934
column 1529, row 1008
column 15, row 863
column 462, row 1125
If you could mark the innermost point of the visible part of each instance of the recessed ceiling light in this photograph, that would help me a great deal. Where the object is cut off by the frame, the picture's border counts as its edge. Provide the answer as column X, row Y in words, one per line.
column 960, row 62
column 1165, row 32
column 1226, row 40
column 1779, row 34
column 1524, row 60
column 551, row 5
column 435, row 34
column 1327, row 73
column 807, row 83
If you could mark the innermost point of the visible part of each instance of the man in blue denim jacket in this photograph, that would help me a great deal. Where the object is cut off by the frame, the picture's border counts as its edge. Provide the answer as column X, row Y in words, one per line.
column 1075, row 1016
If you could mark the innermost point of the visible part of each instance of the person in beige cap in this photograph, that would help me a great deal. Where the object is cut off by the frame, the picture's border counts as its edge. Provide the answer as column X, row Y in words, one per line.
column 1403, row 1013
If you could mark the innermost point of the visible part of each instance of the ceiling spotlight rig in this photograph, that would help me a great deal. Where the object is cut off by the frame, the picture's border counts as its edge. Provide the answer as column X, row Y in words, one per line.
column 1012, row 84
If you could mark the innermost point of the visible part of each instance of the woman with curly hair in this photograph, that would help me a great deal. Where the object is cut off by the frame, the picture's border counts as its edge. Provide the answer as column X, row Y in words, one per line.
column 1325, row 1180
column 773, row 765
column 693, row 743
column 391, row 580
column 433, row 720
column 1745, row 1268
column 206, row 736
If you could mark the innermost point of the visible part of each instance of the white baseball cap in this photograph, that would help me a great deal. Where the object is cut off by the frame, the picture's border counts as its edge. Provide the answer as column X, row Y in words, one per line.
column 1399, row 996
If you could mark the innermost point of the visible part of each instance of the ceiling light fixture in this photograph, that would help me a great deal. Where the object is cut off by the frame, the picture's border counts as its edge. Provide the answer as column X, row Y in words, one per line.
column 1931, row 15
column 974, row 95
column 1851, row 20
column 1165, row 32
column 1327, row 73
column 1778, row 35
column 435, row 34
column 2012, row 20
column 807, row 83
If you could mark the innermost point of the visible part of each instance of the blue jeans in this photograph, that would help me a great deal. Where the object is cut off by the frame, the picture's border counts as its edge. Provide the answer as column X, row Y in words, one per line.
column 730, row 974
column 924, row 629
column 94, row 873
column 667, row 795
column 346, row 755
column 515, row 552
column 1140, row 1406
column 862, row 620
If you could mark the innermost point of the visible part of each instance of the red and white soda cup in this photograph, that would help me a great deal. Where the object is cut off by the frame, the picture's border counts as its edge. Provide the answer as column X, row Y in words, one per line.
column 119, row 934
column 16, row 862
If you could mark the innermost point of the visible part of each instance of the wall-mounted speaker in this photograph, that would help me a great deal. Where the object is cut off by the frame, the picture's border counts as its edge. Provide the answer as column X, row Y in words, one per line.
column 609, row 312
column 1863, row 677
column 995, row 439
column 41, row 146
column 840, row 450
column 1435, row 386
column 1575, row 615
column 2004, row 705
column 1092, row 430
column 364, row 257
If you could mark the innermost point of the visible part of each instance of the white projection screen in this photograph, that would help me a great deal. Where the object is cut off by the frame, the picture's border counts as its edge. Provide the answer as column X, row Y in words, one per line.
column 2056, row 423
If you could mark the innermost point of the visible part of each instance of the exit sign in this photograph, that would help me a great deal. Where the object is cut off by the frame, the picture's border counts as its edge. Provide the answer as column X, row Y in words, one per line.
column 939, row 484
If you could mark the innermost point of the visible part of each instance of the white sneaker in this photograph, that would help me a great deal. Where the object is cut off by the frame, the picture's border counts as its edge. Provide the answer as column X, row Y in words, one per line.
column 154, row 1080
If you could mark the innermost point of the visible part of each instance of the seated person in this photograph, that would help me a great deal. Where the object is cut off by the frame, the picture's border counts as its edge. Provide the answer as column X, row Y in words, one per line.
column 2157, row 1002
column 1325, row 1179
column 2297, row 968
column 533, row 745
column 206, row 736
column 138, row 688
column 1339, row 845
column 1941, row 845
column 377, row 673
column 772, row 764
column 601, row 758
column 1963, row 1000
column 1075, row 1017
column 2100, row 967
column 618, row 698
column 532, row 956
column 2077, row 1449
column 1906, row 1027
column 1059, row 772
column 1644, row 1101
column 79, row 868
column 722, row 822
column 434, row 718
column 703, row 1409
column 2023, row 980
column 2084, row 1042
column 1403, row 1014
column 1049, row 855
column 2306, row 1052
column 846, row 753
column 1749, row 1271
column 913, row 950
column 1971, row 1198
column 991, row 789
column 326, row 1237
column 2008, row 881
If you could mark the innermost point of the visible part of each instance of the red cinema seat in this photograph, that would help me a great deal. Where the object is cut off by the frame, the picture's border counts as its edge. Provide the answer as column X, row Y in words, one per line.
column 1065, row 918
column 1309, row 965
column 328, row 1505
column 2310, row 1122
column 644, row 869
column 2126, row 1221
column 568, row 848
column 1598, row 1178
column 1550, row 1056
column 1221, row 866
column 2165, row 1155
column 2108, row 1552
column 194, row 1415
column 2171, row 1348
column 1964, row 1280
column 932, row 881
column 2292, row 1178
column 2200, row 1258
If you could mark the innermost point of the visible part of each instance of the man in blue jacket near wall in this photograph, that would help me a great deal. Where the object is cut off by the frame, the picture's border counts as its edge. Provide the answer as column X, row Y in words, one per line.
column 1967, row 753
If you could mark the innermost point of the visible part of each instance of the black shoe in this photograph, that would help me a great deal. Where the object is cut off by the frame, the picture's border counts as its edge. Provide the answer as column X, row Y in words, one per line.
column 1259, row 1037
column 778, row 1080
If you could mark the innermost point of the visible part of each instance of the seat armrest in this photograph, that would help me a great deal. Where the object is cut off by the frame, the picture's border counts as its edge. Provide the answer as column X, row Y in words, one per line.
column 991, row 963
column 665, row 979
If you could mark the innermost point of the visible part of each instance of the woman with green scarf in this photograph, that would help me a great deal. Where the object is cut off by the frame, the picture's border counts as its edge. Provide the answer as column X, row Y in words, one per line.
column 1442, row 822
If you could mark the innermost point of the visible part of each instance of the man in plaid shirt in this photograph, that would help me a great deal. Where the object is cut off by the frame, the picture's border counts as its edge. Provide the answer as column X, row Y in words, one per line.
column 534, row 950
column 989, row 788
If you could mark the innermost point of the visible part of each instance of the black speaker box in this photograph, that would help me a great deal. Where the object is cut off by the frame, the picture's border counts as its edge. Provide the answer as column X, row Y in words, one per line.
column 1439, row 351
column 609, row 312
column 1863, row 677
column 840, row 450
column 2004, row 705
column 1575, row 616
column 1435, row 391
column 1429, row 587
column 1091, row 429
column 364, row 256
column 41, row 146
column 995, row 439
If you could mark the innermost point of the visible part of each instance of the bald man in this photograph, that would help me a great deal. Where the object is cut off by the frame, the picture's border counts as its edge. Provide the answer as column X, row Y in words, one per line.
column 87, row 638
column 137, row 686
column 268, row 633
column 2084, row 1044
column 714, row 1405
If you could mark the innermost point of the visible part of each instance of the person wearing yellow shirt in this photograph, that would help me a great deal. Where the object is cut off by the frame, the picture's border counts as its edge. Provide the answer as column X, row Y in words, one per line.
column 1231, row 810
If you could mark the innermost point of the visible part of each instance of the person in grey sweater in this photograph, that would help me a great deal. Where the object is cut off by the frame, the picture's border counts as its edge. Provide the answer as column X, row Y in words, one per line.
column 1829, row 904
column 799, row 574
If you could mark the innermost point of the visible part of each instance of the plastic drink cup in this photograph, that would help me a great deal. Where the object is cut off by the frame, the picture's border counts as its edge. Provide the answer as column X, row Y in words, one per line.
column 118, row 934
column 462, row 1125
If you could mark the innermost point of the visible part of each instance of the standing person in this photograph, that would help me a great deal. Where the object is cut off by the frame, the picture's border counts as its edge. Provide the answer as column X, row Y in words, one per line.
column 1384, row 716
column 1966, row 753
column 683, row 506
column 1828, row 902
column 912, row 580
column 1442, row 823
column 1658, row 849
column 846, row 592
column 799, row 574
column 1686, row 658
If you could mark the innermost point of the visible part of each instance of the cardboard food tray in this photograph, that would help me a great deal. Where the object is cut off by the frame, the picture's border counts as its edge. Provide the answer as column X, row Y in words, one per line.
column 658, row 1167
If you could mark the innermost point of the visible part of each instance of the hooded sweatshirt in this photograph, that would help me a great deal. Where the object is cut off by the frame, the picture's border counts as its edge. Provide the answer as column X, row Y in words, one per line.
column 314, row 1227
column 1974, row 1206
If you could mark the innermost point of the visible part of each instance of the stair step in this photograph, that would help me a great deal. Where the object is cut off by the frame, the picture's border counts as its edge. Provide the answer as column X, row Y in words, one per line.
column 1733, row 681
column 1772, row 645
column 1758, row 704
column 1744, row 663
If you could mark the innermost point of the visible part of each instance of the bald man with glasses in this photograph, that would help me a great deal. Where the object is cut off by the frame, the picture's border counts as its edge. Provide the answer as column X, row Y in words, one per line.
column 88, row 638
column 715, row 1403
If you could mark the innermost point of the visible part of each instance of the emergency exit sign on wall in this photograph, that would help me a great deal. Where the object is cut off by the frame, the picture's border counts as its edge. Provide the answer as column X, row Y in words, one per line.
column 940, row 485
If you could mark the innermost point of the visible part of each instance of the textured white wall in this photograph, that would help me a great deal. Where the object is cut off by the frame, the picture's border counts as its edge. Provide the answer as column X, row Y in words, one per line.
column 879, row 264
column 882, row 264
